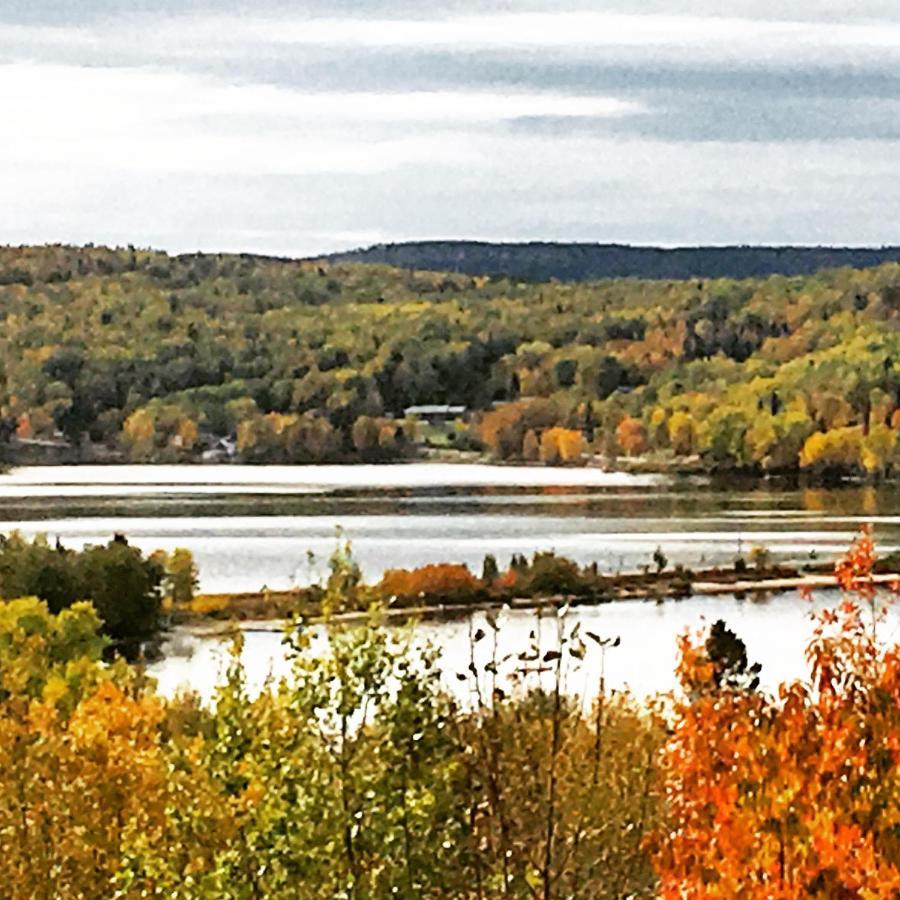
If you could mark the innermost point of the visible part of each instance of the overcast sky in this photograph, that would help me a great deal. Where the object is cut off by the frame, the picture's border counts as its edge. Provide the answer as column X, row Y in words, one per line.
column 294, row 128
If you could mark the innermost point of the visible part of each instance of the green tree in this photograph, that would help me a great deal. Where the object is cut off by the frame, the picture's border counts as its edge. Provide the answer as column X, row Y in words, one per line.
column 125, row 589
column 181, row 576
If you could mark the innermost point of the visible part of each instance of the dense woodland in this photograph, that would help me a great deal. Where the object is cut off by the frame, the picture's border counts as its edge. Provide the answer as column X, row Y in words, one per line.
column 157, row 357
column 544, row 261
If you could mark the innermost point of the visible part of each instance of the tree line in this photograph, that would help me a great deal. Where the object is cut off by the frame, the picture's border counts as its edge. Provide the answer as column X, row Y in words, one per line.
column 159, row 358
column 543, row 260
column 129, row 592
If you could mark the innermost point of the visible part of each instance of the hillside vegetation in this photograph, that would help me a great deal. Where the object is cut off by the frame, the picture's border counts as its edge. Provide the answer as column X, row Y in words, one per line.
column 543, row 261
column 157, row 356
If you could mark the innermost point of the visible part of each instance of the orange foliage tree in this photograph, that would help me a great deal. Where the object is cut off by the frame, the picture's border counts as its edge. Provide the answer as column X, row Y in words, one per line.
column 439, row 582
column 632, row 436
column 796, row 794
column 503, row 430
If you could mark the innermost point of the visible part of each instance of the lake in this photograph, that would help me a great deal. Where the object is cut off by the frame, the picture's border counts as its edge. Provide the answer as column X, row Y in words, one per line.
column 253, row 526
column 776, row 631
column 250, row 526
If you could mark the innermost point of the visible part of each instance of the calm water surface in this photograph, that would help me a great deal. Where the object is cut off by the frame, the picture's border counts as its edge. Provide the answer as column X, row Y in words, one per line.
column 776, row 632
column 250, row 526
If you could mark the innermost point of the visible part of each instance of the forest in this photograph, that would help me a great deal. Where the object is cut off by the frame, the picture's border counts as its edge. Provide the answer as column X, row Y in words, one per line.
column 546, row 261
column 134, row 355
column 362, row 776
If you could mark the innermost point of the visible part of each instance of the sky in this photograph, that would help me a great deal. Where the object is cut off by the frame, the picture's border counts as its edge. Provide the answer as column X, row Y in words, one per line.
column 294, row 128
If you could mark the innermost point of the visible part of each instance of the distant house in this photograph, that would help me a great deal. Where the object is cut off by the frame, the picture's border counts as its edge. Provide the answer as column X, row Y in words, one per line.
column 434, row 413
column 219, row 450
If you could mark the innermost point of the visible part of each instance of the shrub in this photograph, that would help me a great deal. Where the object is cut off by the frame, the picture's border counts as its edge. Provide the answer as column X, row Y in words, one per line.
column 439, row 583
column 550, row 574
column 124, row 587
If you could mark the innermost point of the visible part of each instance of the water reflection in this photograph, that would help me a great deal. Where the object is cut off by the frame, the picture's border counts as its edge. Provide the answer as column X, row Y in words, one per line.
column 249, row 526
column 775, row 631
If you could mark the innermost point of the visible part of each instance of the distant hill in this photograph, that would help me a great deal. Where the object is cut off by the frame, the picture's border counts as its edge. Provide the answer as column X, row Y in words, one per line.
column 542, row 261
column 133, row 354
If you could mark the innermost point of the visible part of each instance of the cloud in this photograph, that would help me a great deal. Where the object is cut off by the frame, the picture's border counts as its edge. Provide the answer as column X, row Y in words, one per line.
column 294, row 127
column 50, row 12
column 607, row 34
column 158, row 121
column 712, row 37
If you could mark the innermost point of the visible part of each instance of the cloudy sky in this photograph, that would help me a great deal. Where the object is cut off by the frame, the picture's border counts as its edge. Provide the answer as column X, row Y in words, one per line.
column 294, row 128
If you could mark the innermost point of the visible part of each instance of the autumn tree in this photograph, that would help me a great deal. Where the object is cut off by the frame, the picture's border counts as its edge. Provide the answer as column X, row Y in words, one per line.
column 181, row 576
column 791, row 794
column 531, row 446
column 632, row 436
column 682, row 433
column 562, row 446
column 93, row 800
column 123, row 585
column 838, row 451
column 365, row 434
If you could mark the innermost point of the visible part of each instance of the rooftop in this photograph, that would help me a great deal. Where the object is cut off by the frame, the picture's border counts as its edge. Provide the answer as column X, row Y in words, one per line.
column 434, row 409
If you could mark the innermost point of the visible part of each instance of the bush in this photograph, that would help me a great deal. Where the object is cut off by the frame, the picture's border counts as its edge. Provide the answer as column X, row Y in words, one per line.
column 123, row 586
column 440, row 583
column 791, row 794
column 549, row 574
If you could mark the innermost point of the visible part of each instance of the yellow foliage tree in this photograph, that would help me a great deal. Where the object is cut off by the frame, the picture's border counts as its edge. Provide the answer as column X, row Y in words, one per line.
column 682, row 433
column 562, row 445
column 878, row 449
column 365, row 434
column 139, row 432
column 658, row 431
column 186, row 434
column 840, row 449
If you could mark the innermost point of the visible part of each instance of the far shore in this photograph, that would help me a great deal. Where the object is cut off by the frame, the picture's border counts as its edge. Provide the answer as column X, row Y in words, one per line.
column 51, row 454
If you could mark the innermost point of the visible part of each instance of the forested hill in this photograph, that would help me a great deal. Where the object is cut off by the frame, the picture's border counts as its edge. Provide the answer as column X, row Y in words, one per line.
column 154, row 357
column 542, row 261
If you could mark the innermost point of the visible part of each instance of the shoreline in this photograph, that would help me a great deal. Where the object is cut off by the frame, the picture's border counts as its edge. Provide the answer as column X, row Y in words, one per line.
column 674, row 467
column 215, row 626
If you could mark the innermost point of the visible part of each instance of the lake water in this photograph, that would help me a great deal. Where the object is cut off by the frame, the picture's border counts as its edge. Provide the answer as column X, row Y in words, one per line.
column 776, row 631
column 252, row 526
